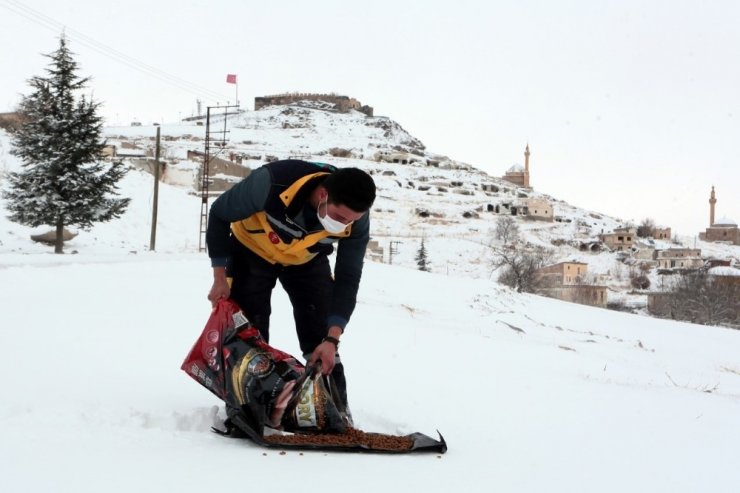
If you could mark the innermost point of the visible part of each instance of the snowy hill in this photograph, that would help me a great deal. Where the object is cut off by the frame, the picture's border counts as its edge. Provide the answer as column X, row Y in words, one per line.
column 432, row 196
column 530, row 393
column 449, row 203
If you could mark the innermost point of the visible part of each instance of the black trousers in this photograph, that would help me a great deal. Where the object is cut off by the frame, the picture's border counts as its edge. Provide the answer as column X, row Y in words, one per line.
column 309, row 287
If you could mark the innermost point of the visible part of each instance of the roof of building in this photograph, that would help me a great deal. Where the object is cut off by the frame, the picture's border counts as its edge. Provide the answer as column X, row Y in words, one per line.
column 725, row 221
column 723, row 270
column 516, row 168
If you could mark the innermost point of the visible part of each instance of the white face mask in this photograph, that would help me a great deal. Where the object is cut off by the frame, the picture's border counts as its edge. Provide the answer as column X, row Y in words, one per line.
column 330, row 224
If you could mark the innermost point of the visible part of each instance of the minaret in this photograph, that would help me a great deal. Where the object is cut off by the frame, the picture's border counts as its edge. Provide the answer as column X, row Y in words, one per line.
column 712, row 201
column 526, row 166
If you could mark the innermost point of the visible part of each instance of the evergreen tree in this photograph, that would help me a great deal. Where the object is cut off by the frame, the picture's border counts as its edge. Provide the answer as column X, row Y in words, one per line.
column 63, row 181
column 421, row 258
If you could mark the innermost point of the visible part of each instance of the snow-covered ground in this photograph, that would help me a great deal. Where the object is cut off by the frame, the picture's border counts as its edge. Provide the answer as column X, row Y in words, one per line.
column 530, row 393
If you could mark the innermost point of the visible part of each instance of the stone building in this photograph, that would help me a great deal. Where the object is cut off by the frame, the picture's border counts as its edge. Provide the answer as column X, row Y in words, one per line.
column 563, row 281
column 662, row 233
column 343, row 104
column 583, row 294
column 562, row 273
column 725, row 230
column 620, row 239
column 223, row 173
column 729, row 276
column 374, row 251
column 644, row 250
column 517, row 174
column 539, row 209
column 679, row 258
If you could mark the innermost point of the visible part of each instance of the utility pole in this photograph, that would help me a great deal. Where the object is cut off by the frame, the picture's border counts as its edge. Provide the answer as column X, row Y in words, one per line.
column 392, row 250
column 218, row 139
column 153, row 238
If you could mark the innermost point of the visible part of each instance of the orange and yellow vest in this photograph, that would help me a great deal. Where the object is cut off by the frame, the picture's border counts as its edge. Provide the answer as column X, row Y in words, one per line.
column 273, row 234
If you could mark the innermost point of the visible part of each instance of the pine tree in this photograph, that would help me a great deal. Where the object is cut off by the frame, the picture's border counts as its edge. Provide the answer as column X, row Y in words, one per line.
column 421, row 258
column 64, row 181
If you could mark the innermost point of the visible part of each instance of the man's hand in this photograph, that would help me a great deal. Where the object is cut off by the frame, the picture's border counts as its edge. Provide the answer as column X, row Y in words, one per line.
column 326, row 351
column 220, row 289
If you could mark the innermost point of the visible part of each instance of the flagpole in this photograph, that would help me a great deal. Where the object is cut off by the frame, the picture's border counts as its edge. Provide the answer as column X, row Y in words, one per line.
column 234, row 79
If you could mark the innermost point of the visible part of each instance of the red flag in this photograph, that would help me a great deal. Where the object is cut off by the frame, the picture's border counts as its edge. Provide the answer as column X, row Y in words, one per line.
column 231, row 78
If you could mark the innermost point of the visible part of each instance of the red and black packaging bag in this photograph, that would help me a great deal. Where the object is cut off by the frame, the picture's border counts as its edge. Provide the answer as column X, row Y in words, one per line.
column 231, row 359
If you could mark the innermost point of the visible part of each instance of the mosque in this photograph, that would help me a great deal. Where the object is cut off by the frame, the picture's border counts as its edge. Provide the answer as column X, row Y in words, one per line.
column 724, row 230
column 517, row 174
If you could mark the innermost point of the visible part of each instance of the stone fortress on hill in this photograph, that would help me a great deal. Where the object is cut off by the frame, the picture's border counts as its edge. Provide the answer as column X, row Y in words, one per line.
column 341, row 103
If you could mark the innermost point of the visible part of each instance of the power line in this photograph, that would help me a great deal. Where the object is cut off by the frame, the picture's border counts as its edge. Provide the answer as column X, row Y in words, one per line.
column 54, row 25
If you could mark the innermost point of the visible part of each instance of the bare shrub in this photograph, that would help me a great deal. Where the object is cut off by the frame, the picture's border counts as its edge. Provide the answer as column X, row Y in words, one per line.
column 703, row 299
column 646, row 228
column 640, row 282
column 518, row 267
column 507, row 230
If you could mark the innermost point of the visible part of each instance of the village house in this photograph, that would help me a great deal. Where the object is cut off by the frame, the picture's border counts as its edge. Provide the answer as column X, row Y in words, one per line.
column 374, row 251
column 729, row 276
column 662, row 233
column 109, row 151
column 717, row 262
column 644, row 250
column 620, row 239
column 583, row 294
column 223, row 173
column 539, row 209
column 679, row 258
column 562, row 273
column 564, row 281
column 131, row 150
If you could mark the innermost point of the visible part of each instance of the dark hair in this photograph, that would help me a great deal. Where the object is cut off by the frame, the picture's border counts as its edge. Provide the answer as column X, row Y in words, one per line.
column 351, row 187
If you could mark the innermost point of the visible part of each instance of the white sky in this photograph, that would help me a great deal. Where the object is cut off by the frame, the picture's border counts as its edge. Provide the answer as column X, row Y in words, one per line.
column 629, row 109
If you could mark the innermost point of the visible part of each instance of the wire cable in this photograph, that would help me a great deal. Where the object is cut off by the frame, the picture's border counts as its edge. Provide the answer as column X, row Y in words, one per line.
column 54, row 25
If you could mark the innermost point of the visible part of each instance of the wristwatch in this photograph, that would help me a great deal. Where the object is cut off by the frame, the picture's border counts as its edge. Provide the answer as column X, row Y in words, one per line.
column 331, row 339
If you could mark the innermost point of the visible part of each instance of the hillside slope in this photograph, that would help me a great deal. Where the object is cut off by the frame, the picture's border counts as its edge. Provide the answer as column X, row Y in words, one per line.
column 450, row 204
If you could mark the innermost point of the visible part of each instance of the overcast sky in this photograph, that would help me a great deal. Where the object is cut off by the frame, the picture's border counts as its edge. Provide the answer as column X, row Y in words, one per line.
column 631, row 108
